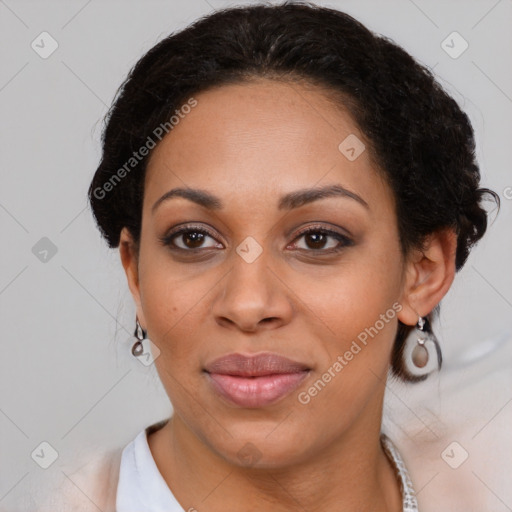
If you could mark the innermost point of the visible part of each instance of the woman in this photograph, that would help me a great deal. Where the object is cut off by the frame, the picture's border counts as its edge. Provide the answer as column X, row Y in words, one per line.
column 291, row 196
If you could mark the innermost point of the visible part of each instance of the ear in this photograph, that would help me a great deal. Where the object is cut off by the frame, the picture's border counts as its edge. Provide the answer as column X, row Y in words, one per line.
column 130, row 260
column 429, row 274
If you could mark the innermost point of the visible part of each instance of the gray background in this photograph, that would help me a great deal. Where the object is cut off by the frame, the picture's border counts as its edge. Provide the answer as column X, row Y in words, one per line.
column 65, row 372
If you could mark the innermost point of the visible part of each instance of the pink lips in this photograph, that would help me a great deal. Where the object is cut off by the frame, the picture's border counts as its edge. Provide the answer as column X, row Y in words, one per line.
column 255, row 381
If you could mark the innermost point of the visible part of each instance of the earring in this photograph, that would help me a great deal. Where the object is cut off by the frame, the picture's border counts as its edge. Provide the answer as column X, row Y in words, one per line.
column 144, row 349
column 140, row 334
column 422, row 353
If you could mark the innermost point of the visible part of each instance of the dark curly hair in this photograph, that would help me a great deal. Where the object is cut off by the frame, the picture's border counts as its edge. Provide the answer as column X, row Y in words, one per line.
column 419, row 137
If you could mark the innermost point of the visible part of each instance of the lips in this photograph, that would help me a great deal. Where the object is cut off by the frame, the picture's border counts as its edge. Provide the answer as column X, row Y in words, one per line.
column 257, row 380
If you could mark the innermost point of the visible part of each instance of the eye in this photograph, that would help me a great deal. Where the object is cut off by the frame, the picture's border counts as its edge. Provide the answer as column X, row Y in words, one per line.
column 316, row 239
column 189, row 239
column 319, row 239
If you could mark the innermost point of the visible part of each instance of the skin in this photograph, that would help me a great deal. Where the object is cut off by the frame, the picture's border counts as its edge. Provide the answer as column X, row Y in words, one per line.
column 249, row 144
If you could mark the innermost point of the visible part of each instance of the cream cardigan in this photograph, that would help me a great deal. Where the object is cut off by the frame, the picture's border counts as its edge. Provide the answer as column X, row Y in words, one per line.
column 452, row 431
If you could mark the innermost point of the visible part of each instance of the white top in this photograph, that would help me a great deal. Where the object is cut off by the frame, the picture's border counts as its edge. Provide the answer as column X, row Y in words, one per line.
column 142, row 487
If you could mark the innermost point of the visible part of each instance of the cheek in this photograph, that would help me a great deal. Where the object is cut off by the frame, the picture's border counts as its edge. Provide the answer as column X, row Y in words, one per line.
column 360, row 308
column 358, row 305
column 171, row 310
column 173, row 300
column 354, row 297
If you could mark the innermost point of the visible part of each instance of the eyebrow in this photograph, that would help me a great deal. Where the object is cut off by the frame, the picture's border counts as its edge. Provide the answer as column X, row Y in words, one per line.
column 287, row 202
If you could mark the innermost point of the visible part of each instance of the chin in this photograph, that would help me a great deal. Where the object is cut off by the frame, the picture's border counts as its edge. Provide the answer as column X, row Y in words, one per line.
column 256, row 449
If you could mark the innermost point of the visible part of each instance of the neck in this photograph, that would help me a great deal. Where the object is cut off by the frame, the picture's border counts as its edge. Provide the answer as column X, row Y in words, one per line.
column 353, row 474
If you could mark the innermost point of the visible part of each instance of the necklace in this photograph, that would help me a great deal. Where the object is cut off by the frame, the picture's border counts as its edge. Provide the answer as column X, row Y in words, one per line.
column 409, row 501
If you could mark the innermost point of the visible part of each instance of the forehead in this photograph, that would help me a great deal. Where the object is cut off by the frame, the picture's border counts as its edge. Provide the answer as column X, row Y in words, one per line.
column 260, row 140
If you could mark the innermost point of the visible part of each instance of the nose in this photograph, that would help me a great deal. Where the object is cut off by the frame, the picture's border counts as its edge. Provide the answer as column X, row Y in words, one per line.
column 253, row 297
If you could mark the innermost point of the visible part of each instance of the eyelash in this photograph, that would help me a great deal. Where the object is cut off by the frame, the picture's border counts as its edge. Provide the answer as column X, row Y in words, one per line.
column 345, row 241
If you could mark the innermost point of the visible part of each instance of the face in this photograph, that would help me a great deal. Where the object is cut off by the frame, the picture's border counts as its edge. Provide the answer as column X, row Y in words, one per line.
column 274, row 309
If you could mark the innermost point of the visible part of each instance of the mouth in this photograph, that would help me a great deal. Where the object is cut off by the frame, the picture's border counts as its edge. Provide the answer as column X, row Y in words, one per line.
column 257, row 380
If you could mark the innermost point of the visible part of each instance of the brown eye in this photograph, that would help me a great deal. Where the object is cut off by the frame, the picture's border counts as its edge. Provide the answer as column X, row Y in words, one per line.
column 316, row 240
column 322, row 240
column 192, row 239
column 189, row 239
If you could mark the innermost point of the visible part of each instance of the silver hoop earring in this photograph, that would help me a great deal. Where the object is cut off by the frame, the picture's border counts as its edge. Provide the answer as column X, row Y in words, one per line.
column 422, row 353
column 140, row 334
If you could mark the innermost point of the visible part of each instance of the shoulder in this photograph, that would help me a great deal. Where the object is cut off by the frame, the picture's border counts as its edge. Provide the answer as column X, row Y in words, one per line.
column 87, row 483
column 453, row 431
column 90, row 485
